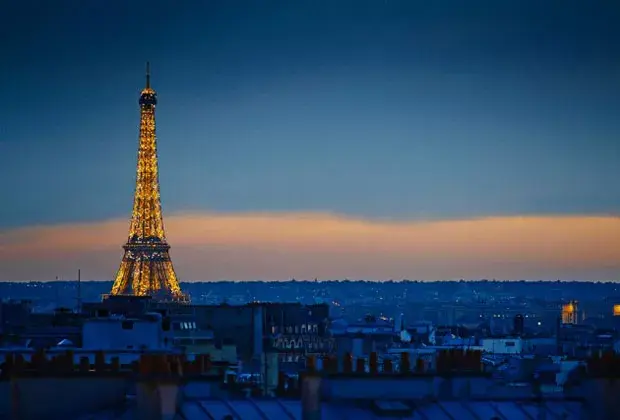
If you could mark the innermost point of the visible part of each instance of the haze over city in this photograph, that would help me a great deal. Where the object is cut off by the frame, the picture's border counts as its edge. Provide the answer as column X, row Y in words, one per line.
column 382, row 140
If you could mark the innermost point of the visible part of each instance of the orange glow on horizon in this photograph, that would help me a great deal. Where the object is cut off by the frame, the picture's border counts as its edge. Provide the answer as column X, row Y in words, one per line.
column 208, row 246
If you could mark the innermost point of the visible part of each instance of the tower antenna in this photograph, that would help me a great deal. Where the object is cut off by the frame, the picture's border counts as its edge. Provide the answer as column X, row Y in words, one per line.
column 148, row 75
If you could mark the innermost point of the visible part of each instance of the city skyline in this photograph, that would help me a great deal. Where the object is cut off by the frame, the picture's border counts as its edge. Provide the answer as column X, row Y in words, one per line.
column 383, row 141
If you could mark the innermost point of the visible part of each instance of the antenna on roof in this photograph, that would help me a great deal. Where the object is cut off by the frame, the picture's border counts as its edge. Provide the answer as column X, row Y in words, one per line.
column 79, row 292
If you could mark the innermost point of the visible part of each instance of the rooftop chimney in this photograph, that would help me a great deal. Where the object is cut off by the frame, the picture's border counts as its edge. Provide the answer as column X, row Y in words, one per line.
column 311, row 397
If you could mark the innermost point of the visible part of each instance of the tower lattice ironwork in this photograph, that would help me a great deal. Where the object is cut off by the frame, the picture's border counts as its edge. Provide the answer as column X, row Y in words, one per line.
column 146, row 268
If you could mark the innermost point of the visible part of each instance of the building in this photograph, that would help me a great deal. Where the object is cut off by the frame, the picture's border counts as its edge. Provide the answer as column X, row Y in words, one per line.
column 127, row 305
column 186, row 394
column 148, row 332
column 368, row 335
column 295, row 331
column 21, row 327
column 291, row 330
column 570, row 312
column 502, row 345
column 146, row 268
column 14, row 315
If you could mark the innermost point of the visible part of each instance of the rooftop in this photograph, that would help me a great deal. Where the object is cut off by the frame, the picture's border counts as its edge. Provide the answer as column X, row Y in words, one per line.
column 431, row 410
column 285, row 409
column 184, row 390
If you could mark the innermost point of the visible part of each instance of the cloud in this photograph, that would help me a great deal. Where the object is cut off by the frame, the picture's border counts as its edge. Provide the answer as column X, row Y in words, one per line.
column 278, row 246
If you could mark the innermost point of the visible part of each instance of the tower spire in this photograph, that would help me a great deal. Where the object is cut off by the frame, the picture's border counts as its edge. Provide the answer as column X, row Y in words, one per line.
column 148, row 75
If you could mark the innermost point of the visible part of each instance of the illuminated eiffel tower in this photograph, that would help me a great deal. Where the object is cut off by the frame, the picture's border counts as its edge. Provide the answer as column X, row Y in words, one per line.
column 146, row 268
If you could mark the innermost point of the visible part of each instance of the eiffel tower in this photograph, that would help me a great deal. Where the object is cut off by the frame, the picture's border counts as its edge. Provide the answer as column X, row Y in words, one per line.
column 146, row 268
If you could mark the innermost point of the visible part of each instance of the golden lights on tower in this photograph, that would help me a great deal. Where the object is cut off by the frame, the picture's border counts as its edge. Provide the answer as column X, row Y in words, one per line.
column 146, row 268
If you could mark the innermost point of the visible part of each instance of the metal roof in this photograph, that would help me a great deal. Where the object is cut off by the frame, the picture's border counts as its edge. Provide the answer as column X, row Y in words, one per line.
column 284, row 409
column 276, row 409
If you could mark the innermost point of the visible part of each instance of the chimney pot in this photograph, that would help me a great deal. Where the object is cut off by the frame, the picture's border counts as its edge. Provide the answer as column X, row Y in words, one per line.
column 360, row 365
column 115, row 364
column 348, row 363
column 310, row 363
column 405, row 364
column 373, row 363
column 84, row 364
column 100, row 364
column 387, row 366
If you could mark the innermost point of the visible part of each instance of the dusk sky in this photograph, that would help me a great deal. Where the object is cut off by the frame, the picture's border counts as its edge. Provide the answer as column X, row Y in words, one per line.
column 334, row 139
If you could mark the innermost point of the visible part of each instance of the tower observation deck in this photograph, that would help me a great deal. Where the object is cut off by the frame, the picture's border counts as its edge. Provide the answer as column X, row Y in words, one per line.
column 146, row 268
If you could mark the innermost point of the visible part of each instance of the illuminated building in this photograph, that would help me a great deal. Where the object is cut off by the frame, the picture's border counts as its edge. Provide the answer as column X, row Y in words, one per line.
column 616, row 310
column 146, row 268
column 569, row 313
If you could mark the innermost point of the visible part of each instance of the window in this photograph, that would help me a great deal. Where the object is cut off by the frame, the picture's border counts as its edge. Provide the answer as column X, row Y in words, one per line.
column 165, row 324
column 510, row 343
column 127, row 325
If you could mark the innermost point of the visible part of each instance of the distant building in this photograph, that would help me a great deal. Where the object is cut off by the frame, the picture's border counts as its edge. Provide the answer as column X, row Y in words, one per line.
column 14, row 315
column 519, row 324
column 570, row 313
column 370, row 334
column 502, row 345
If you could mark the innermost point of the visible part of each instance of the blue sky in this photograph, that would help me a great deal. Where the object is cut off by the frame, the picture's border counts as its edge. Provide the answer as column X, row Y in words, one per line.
column 381, row 109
